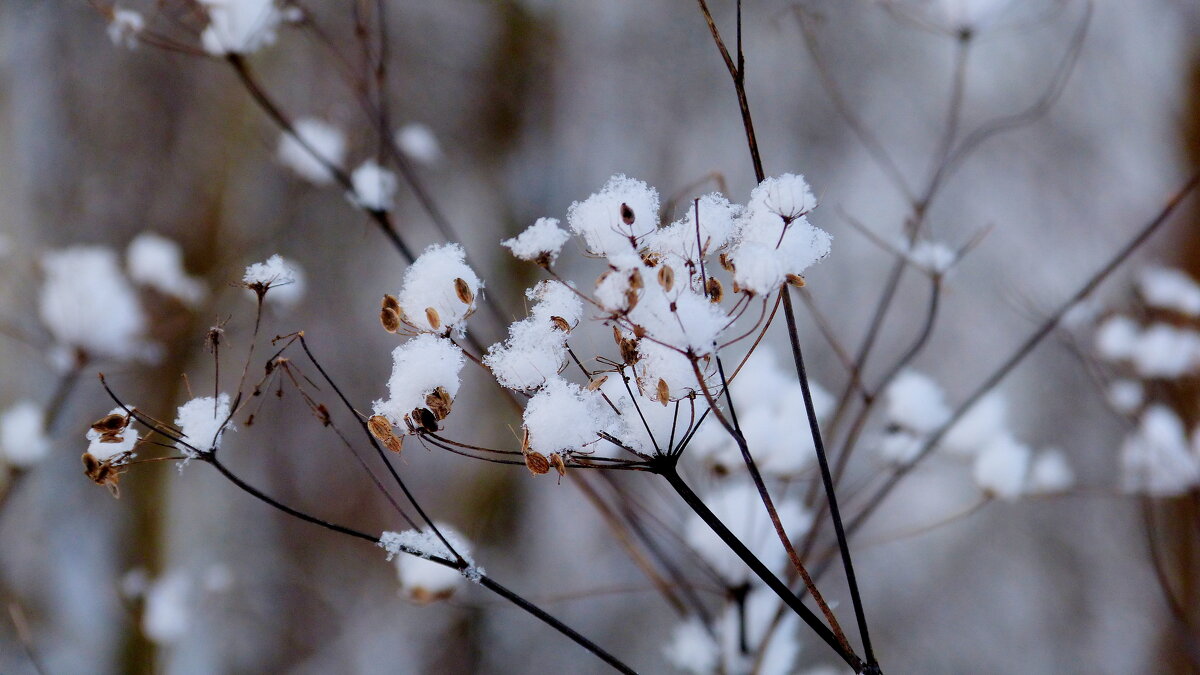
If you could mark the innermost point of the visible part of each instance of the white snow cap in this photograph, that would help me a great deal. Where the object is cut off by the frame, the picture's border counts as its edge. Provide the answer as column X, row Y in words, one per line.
column 562, row 417
column 23, row 440
column 691, row 649
column 374, row 186
column 774, row 237
column 239, row 26
column 430, row 283
column 420, row 366
column 679, row 242
column 543, row 239
column 1156, row 459
column 283, row 277
column 422, row 579
column 933, row 256
column 1116, row 338
column 324, row 142
column 418, row 142
column 1172, row 289
column 103, row 450
column 601, row 218
column 1002, row 468
column 984, row 421
column 1161, row 350
column 125, row 26
column 170, row 604
column 157, row 262
column 200, row 420
column 536, row 348
column 1050, row 473
column 88, row 304
column 916, row 402
column 739, row 506
column 1127, row 396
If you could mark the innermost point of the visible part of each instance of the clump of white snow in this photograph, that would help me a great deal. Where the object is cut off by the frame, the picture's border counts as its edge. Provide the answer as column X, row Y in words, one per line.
column 315, row 147
column 157, row 262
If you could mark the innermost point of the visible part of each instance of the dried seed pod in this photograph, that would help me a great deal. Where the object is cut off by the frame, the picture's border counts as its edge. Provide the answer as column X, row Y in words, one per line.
column 390, row 319
column 629, row 351
column 102, row 473
column 439, row 403
column 617, row 337
column 631, row 299
column 736, row 289
column 537, row 463
column 435, row 321
column 650, row 258
column 597, row 383
column 424, row 419
column 111, row 423
column 715, row 292
column 524, row 440
column 635, row 280
column 559, row 465
column 726, row 263
column 390, row 302
column 560, row 323
column 639, row 331
column 666, row 278
column 627, row 215
column 796, row 280
column 381, row 429
column 463, row 291
column 664, row 392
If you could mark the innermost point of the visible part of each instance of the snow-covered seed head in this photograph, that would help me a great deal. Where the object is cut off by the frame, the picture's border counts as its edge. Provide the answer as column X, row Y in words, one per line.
column 435, row 321
column 537, row 463
column 597, row 383
column 663, row 391
column 627, row 215
column 463, row 291
column 439, row 403
column 666, row 278
column 381, row 429
column 715, row 291
column 795, row 280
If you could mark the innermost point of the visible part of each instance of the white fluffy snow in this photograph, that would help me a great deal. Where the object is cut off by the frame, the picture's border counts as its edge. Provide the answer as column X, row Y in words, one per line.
column 418, row 143
column 1156, row 459
column 420, row 366
column 916, row 402
column 374, row 186
column 1172, row 289
column 103, row 450
column 200, row 420
column 536, row 347
column 282, row 277
column 23, row 440
column 599, row 219
column 542, row 239
column 325, row 142
column 239, row 26
column 157, row 262
column 430, row 283
column 422, row 579
column 562, row 417
column 1002, row 468
column 125, row 26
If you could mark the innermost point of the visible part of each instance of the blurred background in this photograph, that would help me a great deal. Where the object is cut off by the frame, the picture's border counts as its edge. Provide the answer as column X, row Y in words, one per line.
column 534, row 105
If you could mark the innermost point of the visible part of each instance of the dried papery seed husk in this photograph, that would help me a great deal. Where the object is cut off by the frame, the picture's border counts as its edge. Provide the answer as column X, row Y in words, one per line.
column 639, row 331
column 726, row 263
column 635, row 280
column 425, row 419
column 390, row 319
column 629, row 351
column 627, row 214
column 597, row 383
column 559, row 465
column 650, row 258
column 91, row 465
column 666, row 278
column 524, row 441
column 390, row 302
column 560, row 323
column 664, row 392
column 715, row 291
column 617, row 337
column 463, row 291
column 631, row 299
column 380, row 427
column 111, row 437
column 736, row 288
column 537, row 463
column 435, row 321
column 110, row 423
column 795, row 280
column 439, row 403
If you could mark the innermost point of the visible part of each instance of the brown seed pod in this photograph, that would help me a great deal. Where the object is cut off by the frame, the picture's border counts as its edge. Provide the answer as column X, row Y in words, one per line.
column 560, row 323
column 726, row 263
column 390, row 302
column 635, row 280
column 381, row 429
column 666, row 278
column 796, row 280
column 617, row 337
column 631, row 299
column 651, row 258
column 424, row 419
column 639, row 331
column 463, row 291
column 111, row 423
column 435, row 321
column 597, row 383
column 715, row 291
column 390, row 319
column 559, row 465
column 664, row 392
column 627, row 215
column 629, row 352
column 537, row 463
column 439, row 403
column 102, row 472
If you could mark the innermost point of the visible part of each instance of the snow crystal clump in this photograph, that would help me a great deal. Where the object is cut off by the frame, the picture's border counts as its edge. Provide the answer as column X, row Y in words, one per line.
column 374, row 187
column 201, row 420
column 157, row 262
column 916, row 402
column 562, row 417
column 1172, row 289
column 539, row 242
column 420, row 366
column 282, row 277
column 624, row 208
column 536, row 348
column 125, row 26
column 239, row 26
column 1156, row 459
column 1002, row 468
column 432, row 298
column 168, row 609
column 774, row 237
column 104, row 447
column 691, row 649
column 89, row 305
column 421, row 578
column 418, row 142
column 23, row 440
column 315, row 147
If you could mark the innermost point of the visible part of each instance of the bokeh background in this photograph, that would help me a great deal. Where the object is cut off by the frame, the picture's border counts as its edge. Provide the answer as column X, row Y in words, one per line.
column 535, row 105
